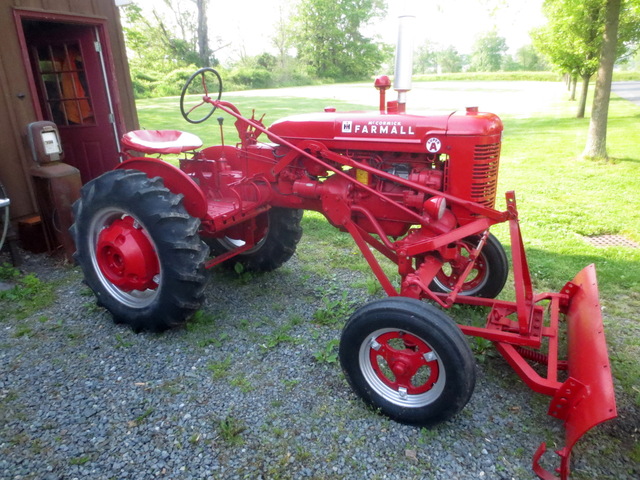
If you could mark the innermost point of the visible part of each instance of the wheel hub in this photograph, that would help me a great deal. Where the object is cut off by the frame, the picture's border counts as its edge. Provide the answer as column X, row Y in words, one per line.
column 457, row 267
column 404, row 363
column 126, row 256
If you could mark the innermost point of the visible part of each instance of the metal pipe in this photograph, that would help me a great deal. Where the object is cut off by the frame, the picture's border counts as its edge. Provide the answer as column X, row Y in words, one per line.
column 404, row 59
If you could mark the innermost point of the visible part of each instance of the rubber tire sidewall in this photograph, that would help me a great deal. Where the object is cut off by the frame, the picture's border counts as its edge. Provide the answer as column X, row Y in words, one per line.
column 174, row 233
column 432, row 326
column 276, row 248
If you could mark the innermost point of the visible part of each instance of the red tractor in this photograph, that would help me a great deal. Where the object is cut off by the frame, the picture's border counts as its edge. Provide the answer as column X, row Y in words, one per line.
column 420, row 190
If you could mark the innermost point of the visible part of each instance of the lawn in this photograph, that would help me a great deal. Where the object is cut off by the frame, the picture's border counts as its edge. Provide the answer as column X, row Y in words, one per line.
column 562, row 199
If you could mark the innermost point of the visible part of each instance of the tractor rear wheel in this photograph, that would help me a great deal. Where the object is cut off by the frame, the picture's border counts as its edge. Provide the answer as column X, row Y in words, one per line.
column 139, row 250
column 407, row 359
column 488, row 276
column 280, row 233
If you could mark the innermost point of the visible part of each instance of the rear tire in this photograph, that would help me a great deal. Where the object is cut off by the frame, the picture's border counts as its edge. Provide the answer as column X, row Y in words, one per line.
column 139, row 250
column 278, row 244
column 407, row 359
column 489, row 275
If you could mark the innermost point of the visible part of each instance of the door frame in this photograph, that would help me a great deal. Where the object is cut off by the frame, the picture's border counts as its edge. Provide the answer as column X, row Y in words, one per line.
column 99, row 26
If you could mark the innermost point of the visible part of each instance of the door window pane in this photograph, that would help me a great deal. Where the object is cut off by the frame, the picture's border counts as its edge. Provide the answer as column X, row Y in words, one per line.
column 62, row 76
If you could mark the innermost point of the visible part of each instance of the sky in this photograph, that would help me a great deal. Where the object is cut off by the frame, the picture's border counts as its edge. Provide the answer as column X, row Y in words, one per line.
column 248, row 24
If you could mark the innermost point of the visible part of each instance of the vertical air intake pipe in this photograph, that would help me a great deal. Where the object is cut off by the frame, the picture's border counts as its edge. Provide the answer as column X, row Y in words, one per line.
column 404, row 59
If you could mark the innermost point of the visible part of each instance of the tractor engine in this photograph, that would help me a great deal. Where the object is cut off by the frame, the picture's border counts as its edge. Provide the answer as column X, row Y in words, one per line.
column 456, row 154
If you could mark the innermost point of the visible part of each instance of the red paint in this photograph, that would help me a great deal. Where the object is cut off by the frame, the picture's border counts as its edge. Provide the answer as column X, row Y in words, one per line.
column 385, row 178
column 126, row 256
column 404, row 363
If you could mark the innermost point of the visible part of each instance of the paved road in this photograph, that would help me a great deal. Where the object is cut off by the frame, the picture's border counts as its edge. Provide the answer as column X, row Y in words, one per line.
column 500, row 97
column 627, row 90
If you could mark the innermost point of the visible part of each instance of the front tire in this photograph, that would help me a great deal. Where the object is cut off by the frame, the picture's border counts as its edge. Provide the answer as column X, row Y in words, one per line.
column 139, row 250
column 407, row 359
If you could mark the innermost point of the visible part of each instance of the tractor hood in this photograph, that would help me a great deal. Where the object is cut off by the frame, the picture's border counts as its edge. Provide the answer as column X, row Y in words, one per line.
column 376, row 131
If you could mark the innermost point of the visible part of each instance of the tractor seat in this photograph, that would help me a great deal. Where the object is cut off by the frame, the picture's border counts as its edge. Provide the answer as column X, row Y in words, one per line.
column 161, row 141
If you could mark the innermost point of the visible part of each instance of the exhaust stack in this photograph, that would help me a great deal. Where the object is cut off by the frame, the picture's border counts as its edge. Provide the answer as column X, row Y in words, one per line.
column 404, row 59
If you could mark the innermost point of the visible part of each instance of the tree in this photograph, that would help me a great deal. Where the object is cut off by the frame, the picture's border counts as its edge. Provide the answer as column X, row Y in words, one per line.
column 597, row 137
column 281, row 38
column 449, row 60
column 488, row 52
column 329, row 39
column 530, row 60
column 571, row 39
column 204, row 51
column 162, row 52
column 169, row 43
column 425, row 58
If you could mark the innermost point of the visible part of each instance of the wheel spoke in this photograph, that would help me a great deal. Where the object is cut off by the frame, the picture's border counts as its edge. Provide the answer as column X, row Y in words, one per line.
column 195, row 106
column 204, row 84
column 199, row 80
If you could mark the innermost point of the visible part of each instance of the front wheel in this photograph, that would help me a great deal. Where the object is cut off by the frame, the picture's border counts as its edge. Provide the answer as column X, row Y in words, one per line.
column 139, row 250
column 407, row 359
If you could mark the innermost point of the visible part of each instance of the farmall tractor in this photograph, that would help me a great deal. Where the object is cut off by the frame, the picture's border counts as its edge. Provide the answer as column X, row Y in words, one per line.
column 420, row 190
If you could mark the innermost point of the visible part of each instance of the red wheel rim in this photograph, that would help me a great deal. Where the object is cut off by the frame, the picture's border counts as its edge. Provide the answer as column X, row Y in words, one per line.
column 404, row 362
column 450, row 277
column 126, row 256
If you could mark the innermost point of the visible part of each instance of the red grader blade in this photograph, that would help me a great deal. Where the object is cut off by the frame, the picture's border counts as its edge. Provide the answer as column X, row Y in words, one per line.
column 586, row 398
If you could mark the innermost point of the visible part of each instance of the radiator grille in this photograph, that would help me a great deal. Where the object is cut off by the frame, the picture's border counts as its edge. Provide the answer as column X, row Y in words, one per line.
column 484, row 177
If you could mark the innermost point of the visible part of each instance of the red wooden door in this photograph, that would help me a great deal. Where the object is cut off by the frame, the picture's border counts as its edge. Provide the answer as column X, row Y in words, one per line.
column 72, row 92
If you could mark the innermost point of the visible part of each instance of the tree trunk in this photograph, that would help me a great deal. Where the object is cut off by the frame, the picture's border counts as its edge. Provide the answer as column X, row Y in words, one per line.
column 582, row 103
column 596, row 147
column 203, row 34
column 573, row 84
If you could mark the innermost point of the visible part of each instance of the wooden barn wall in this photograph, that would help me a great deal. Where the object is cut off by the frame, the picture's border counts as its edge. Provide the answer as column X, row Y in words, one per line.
column 17, row 104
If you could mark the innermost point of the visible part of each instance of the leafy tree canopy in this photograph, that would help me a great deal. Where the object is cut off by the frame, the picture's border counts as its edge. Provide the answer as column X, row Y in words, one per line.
column 488, row 52
column 330, row 40
column 572, row 38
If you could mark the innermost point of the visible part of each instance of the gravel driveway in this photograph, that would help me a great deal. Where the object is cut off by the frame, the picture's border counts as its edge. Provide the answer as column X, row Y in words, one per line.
column 250, row 390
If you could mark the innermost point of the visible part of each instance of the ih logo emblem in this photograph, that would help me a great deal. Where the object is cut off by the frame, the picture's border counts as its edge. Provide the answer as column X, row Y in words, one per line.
column 347, row 126
column 433, row 145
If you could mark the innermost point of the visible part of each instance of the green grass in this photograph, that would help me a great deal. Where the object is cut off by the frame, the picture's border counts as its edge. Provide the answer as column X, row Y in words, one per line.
column 561, row 199
column 164, row 114
column 27, row 295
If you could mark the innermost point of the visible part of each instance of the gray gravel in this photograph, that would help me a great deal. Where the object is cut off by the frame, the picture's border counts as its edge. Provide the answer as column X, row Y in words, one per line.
column 246, row 395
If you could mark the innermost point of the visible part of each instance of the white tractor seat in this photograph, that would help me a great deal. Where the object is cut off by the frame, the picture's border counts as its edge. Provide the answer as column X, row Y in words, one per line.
column 161, row 141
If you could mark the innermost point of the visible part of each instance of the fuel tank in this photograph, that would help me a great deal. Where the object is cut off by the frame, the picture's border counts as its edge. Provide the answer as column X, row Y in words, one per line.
column 385, row 132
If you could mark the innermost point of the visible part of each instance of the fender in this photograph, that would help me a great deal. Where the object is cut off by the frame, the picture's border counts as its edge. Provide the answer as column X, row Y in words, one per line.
column 174, row 179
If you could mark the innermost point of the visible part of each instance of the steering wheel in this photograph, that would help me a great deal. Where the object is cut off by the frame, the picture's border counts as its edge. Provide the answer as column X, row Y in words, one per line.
column 204, row 81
